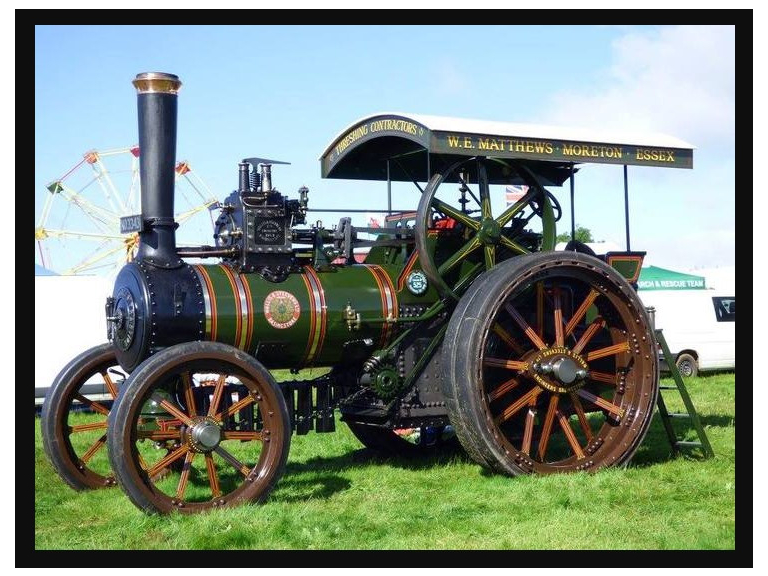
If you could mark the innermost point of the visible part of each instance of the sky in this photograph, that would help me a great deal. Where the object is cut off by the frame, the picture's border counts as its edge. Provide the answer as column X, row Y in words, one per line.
column 284, row 92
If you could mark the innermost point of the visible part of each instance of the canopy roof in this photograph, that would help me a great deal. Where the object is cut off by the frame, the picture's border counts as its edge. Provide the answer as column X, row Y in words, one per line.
column 655, row 278
column 417, row 146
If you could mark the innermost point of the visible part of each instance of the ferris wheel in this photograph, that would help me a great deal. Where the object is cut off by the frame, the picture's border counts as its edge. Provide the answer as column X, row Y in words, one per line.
column 78, row 231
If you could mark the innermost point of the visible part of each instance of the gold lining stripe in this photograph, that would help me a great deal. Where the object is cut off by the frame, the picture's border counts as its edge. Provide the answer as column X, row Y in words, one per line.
column 209, row 296
column 311, row 334
column 320, row 315
column 407, row 270
column 251, row 313
column 238, row 305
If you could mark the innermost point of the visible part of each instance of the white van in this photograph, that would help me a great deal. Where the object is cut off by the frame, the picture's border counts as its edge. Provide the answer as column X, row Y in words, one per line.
column 699, row 327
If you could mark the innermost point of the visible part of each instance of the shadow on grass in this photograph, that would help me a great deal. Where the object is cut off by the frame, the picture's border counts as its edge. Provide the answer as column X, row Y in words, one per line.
column 324, row 481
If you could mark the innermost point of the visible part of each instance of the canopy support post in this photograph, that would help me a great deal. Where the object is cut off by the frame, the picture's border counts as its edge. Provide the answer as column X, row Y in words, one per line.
column 573, row 213
column 389, row 190
column 626, row 205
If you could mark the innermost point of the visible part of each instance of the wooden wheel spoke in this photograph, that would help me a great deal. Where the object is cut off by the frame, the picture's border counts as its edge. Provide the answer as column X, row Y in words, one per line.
column 558, row 316
column 514, row 408
column 185, row 470
column 509, row 364
column 235, row 408
column 569, row 434
column 158, row 435
column 581, row 311
column 608, row 351
column 213, row 477
column 217, row 392
column 240, row 435
column 546, row 431
column 602, row 403
column 505, row 387
column 169, row 459
column 579, row 409
column 449, row 210
column 512, row 245
column 530, row 332
column 589, row 333
column 459, row 255
column 530, row 417
column 605, row 377
column 234, row 462
column 95, row 406
column 93, row 449
column 170, row 407
column 189, row 395
column 88, row 427
column 490, row 256
column 507, row 338
column 110, row 385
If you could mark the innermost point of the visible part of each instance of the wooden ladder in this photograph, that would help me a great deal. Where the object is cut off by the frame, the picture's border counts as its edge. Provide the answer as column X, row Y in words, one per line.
column 667, row 417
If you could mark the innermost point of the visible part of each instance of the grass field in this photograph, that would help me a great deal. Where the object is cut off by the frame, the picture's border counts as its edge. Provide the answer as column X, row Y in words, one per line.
column 336, row 494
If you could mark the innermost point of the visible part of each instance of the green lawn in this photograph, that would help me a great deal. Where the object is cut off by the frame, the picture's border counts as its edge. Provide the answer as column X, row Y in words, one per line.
column 336, row 494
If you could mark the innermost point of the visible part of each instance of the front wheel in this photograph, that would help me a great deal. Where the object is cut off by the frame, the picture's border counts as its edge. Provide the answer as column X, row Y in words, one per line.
column 550, row 366
column 212, row 408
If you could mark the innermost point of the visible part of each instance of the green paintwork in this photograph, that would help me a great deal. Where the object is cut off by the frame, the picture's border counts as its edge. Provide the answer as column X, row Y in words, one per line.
column 353, row 285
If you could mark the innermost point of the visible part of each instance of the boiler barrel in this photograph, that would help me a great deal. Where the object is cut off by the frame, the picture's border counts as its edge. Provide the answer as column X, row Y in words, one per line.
column 305, row 319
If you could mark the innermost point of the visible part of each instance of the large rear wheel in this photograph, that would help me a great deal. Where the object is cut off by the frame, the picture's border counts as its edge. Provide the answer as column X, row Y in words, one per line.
column 550, row 366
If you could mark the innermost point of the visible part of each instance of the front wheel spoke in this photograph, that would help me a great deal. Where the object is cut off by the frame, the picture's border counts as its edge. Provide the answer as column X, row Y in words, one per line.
column 608, row 351
column 217, row 392
column 617, row 411
column 508, row 364
column 88, row 427
column 558, row 317
column 503, row 388
column 514, row 408
column 530, row 332
column 240, row 435
column 234, row 462
column 93, row 449
column 158, row 435
column 449, row 210
column 173, row 409
column 512, row 245
column 213, row 477
column 459, row 255
column 93, row 405
column 530, row 417
column 546, row 431
column 185, row 470
column 169, row 459
column 507, row 338
column 589, row 333
column 569, row 435
column 540, row 309
column 490, row 256
column 581, row 311
column 579, row 409
column 110, row 385
column 235, row 408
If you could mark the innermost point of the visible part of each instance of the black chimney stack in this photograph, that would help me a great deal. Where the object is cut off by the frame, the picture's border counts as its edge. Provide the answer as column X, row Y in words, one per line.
column 157, row 101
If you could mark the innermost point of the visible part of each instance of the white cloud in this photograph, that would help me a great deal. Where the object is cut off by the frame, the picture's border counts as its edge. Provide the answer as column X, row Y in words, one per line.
column 678, row 80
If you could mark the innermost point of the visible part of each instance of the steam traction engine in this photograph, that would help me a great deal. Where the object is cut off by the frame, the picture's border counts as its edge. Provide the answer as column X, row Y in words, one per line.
column 457, row 320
